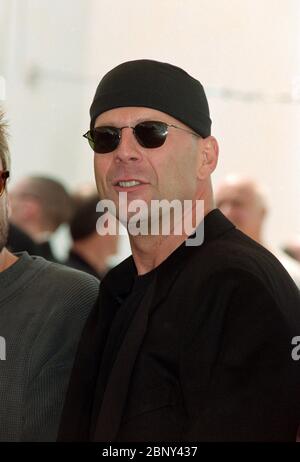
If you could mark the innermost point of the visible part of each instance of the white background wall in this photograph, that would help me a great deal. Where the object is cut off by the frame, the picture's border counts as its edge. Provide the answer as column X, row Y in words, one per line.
column 245, row 52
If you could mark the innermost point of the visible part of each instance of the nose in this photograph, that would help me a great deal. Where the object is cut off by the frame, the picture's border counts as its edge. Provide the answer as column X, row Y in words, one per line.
column 128, row 149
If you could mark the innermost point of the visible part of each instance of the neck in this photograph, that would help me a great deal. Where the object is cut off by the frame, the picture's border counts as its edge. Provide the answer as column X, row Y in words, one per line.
column 7, row 259
column 150, row 251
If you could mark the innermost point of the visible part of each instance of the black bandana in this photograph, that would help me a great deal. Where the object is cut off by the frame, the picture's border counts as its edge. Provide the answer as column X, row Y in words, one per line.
column 156, row 85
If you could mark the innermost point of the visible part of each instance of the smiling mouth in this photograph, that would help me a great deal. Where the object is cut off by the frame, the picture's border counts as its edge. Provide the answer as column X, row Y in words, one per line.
column 128, row 184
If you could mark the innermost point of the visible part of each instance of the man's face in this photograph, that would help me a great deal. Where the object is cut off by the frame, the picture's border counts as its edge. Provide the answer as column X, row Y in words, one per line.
column 240, row 204
column 3, row 218
column 167, row 172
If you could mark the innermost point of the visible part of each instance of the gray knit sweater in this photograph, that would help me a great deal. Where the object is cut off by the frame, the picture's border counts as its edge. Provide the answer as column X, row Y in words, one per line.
column 43, row 307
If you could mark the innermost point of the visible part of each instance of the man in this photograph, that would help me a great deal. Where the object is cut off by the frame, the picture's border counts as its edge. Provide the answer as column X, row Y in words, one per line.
column 18, row 241
column 39, row 206
column 189, row 342
column 89, row 252
column 292, row 248
column 43, row 307
column 243, row 202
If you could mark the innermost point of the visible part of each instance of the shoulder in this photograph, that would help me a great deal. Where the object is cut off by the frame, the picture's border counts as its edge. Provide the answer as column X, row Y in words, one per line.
column 74, row 291
column 72, row 277
column 236, row 252
column 52, row 289
column 60, row 276
column 233, row 276
column 62, row 299
column 239, row 315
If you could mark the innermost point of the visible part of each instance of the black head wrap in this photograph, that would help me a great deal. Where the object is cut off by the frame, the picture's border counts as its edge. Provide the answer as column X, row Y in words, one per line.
column 161, row 86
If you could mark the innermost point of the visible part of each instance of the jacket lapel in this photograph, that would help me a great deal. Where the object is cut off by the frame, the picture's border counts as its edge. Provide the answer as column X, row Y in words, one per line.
column 109, row 418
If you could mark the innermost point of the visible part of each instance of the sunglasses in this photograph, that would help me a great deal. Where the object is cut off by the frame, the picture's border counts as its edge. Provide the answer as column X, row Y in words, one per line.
column 4, row 174
column 149, row 134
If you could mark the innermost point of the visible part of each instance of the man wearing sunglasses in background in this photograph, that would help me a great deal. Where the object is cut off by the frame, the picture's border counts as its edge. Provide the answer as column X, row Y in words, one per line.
column 43, row 307
column 189, row 342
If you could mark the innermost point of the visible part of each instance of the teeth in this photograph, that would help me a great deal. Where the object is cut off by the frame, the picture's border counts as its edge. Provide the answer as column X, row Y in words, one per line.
column 128, row 184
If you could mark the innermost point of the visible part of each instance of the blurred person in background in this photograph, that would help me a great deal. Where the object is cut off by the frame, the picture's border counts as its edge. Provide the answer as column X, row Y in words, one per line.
column 292, row 248
column 18, row 241
column 90, row 252
column 43, row 307
column 243, row 201
column 39, row 205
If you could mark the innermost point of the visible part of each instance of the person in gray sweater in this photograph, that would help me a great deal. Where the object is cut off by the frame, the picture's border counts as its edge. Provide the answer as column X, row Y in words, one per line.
column 43, row 308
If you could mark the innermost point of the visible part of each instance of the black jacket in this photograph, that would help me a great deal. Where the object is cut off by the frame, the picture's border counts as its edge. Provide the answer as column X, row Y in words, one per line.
column 204, row 356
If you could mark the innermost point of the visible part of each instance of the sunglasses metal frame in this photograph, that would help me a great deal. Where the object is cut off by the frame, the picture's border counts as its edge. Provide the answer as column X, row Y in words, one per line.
column 4, row 174
column 118, row 131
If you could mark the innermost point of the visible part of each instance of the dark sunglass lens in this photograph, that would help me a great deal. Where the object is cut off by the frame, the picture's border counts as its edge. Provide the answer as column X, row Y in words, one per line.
column 91, row 142
column 151, row 134
column 106, row 139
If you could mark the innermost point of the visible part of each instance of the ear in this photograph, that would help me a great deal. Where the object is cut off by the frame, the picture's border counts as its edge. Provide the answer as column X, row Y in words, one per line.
column 208, row 157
